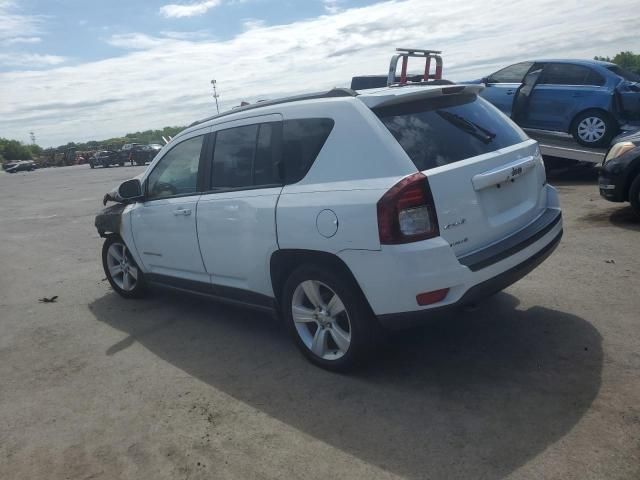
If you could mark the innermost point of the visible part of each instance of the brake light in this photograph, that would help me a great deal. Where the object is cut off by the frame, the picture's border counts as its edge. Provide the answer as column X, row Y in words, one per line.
column 406, row 213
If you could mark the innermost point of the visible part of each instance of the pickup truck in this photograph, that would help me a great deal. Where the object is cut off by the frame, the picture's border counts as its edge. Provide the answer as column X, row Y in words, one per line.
column 137, row 153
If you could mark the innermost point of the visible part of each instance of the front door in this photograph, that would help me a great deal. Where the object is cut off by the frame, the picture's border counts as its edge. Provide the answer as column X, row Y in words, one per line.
column 503, row 84
column 164, row 225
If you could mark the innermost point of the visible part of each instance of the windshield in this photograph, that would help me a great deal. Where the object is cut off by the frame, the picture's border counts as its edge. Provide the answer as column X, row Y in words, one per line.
column 448, row 129
column 626, row 74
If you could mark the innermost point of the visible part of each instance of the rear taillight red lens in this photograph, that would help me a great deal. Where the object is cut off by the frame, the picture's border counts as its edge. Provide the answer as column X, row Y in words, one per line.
column 406, row 213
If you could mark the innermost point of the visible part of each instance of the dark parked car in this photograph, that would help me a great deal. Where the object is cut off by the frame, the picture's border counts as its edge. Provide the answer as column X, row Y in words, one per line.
column 620, row 173
column 20, row 166
column 141, row 154
column 589, row 99
column 105, row 158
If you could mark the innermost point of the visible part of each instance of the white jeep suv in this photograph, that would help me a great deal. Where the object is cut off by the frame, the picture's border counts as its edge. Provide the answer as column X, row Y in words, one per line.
column 340, row 211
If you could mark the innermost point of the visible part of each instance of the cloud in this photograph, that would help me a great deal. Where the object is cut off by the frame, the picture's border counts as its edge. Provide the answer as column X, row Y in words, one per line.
column 332, row 6
column 165, row 80
column 14, row 40
column 30, row 60
column 15, row 25
column 175, row 10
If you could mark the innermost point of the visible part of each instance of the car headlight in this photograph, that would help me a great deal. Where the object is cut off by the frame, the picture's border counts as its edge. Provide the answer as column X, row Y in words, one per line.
column 618, row 150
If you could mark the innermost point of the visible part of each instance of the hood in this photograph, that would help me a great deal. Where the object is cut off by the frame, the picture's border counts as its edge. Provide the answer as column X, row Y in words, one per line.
column 629, row 136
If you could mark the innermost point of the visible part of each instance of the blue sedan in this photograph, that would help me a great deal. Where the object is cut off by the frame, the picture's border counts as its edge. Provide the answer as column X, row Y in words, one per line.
column 589, row 99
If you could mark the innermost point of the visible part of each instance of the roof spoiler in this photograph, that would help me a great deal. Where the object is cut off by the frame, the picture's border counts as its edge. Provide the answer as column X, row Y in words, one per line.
column 402, row 95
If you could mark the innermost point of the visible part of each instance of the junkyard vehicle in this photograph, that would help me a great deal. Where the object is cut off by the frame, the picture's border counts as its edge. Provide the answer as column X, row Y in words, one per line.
column 142, row 154
column 20, row 166
column 588, row 99
column 342, row 212
column 620, row 173
column 104, row 158
column 125, row 154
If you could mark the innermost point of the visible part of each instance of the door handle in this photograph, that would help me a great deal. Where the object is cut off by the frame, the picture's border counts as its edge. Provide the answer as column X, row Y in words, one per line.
column 182, row 211
column 510, row 92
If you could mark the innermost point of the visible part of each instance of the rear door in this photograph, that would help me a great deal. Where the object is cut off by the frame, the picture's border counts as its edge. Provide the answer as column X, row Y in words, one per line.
column 562, row 90
column 486, row 177
column 236, row 216
column 502, row 85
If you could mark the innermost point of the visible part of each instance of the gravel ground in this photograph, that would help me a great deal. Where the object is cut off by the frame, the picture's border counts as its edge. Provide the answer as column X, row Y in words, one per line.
column 541, row 381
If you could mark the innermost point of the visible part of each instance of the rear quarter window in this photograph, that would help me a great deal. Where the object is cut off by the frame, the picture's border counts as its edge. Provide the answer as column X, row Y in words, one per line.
column 444, row 130
column 302, row 140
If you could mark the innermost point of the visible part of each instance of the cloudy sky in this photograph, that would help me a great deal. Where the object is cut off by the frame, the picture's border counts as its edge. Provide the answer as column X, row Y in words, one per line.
column 73, row 70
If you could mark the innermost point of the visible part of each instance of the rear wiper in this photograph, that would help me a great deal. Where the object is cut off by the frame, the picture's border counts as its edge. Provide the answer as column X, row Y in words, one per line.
column 468, row 126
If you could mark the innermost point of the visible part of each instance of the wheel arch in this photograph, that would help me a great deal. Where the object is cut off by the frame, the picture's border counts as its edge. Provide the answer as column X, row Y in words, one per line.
column 604, row 111
column 634, row 172
column 283, row 262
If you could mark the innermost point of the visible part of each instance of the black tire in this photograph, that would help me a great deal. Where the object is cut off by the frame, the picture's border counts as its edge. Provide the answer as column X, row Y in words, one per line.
column 121, row 164
column 634, row 195
column 140, row 288
column 362, row 325
column 611, row 128
column 91, row 165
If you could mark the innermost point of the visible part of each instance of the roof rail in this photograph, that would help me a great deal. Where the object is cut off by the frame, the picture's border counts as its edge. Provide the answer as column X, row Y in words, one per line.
column 335, row 92
column 405, row 53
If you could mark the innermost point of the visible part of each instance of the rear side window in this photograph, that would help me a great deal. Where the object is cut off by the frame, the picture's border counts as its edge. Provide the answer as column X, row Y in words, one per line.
column 448, row 129
column 302, row 140
column 567, row 74
column 245, row 157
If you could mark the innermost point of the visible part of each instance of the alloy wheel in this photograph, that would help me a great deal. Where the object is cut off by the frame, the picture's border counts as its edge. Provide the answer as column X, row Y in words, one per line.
column 321, row 320
column 121, row 267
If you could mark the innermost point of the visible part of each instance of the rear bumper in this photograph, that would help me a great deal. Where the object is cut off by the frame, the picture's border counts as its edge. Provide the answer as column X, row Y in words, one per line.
column 392, row 277
column 475, row 293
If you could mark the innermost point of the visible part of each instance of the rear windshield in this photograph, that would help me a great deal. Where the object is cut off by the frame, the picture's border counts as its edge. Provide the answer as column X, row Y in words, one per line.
column 626, row 74
column 447, row 129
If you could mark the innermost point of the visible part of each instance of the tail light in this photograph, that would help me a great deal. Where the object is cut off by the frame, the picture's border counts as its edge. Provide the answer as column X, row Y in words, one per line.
column 406, row 213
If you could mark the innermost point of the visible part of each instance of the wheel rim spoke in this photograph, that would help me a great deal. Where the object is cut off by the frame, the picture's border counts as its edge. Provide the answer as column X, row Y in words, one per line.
column 133, row 272
column 312, row 291
column 302, row 314
column 342, row 338
column 335, row 306
column 115, row 269
column 319, row 345
column 115, row 253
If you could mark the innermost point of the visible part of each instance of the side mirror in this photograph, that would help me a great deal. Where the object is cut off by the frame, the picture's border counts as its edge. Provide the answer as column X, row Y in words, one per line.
column 130, row 190
column 484, row 80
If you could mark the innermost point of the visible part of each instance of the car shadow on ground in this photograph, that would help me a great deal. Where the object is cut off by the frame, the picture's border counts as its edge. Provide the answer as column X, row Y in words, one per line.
column 472, row 394
column 566, row 172
column 619, row 216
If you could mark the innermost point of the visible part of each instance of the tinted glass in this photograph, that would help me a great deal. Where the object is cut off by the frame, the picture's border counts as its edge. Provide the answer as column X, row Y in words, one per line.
column 177, row 172
column 445, row 130
column 594, row 78
column 266, row 164
column 233, row 156
column 565, row 74
column 302, row 141
column 512, row 74
column 626, row 74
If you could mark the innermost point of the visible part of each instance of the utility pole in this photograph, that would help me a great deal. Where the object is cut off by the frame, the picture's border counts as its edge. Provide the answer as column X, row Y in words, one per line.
column 215, row 95
column 33, row 138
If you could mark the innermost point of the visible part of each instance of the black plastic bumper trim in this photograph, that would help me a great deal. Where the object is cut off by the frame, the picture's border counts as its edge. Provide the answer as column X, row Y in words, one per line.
column 513, row 244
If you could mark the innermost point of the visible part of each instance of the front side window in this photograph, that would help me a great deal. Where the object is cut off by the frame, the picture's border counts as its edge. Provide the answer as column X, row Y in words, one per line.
column 177, row 171
column 511, row 74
